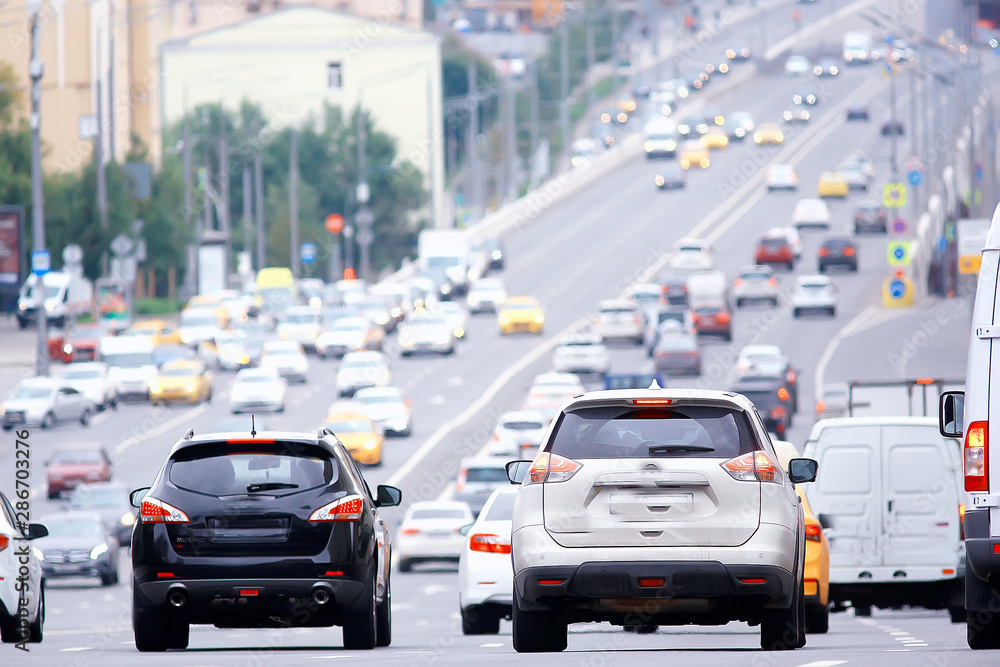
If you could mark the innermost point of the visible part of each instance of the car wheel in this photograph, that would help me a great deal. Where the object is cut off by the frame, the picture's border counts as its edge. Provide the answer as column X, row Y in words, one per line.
column 85, row 416
column 49, row 420
column 781, row 629
column 956, row 614
column 405, row 565
column 109, row 578
column 739, row 303
column 537, row 631
column 53, row 494
column 796, row 312
column 822, row 268
column 862, row 610
column 404, row 353
column 984, row 624
column 281, row 408
column 818, row 620
column 35, row 630
column 479, row 622
column 833, row 312
column 8, row 427
column 361, row 627
column 774, row 303
column 383, row 618
column 155, row 634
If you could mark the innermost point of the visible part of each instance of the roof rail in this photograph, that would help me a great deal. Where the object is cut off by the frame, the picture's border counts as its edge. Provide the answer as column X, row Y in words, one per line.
column 189, row 434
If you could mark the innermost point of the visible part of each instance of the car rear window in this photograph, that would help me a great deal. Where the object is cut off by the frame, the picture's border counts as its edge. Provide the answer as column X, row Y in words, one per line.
column 502, row 508
column 486, row 475
column 523, row 425
column 762, row 400
column 225, row 469
column 773, row 244
column 626, row 432
column 617, row 310
column 438, row 513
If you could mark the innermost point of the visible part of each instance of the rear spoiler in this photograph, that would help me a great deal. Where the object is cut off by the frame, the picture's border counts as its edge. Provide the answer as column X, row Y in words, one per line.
column 916, row 384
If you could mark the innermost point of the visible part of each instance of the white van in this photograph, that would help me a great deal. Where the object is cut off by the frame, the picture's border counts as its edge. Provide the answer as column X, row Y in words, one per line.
column 130, row 364
column 974, row 416
column 66, row 298
column 889, row 498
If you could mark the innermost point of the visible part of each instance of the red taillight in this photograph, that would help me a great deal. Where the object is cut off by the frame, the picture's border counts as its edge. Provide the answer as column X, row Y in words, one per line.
column 977, row 449
column 489, row 544
column 778, row 412
column 695, row 317
column 823, row 252
column 652, row 401
column 460, row 482
column 813, row 532
column 925, row 381
column 738, row 282
column 551, row 468
column 961, row 521
column 157, row 511
column 4, row 541
column 848, row 252
column 722, row 316
column 550, row 582
column 248, row 592
column 753, row 580
column 410, row 531
column 333, row 573
column 772, row 282
column 348, row 508
column 790, row 376
column 755, row 466
column 164, row 575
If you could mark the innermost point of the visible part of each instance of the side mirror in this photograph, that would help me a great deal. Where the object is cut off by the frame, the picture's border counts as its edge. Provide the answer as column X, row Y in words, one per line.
column 36, row 530
column 387, row 496
column 826, row 521
column 801, row 471
column 516, row 470
column 464, row 530
column 951, row 414
column 135, row 498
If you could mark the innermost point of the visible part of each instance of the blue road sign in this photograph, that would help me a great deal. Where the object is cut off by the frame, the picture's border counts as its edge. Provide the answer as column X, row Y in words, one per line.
column 915, row 177
column 897, row 288
column 899, row 253
column 942, row 243
column 979, row 171
column 308, row 252
column 899, row 226
column 41, row 262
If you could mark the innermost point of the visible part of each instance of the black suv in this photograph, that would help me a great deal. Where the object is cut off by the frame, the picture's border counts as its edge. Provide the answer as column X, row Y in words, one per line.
column 838, row 251
column 772, row 400
column 272, row 530
column 871, row 217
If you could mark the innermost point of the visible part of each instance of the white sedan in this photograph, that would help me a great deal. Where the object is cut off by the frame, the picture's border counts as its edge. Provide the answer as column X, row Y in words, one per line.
column 286, row 357
column 257, row 389
column 582, row 354
column 568, row 381
column 691, row 255
column 517, row 433
column 814, row 294
column 797, row 65
column 485, row 577
column 456, row 316
column 811, row 213
column 781, row 177
column 431, row 531
column 90, row 378
column 387, row 408
column 362, row 369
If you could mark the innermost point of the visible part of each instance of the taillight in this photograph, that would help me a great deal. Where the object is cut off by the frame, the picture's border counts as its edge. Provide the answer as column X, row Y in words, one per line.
column 823, row 252
column 488, row 543
column 695, row 317
column 790, row 376
column 157, row 511
column 348, row 508
column 977, row 449
column 772, row 282
column 757, row 466
column 961, row 521
column 410, row 531
column 738, row 282
column 779, row 412
column 4, row 541
column 722, row 316
column 551, row 468
column 813, row 532
column 848, row 252
column 460, row 482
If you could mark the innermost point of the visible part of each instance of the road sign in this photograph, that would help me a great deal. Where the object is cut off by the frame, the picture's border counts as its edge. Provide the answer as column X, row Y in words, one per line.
column 121, row 245
column 899, row 226
column 899, row 253
column 365, row 236
column 949, row 230
column 334, row 223
column 308, row 252
column 72, row 254
column 41, row 262
column 897, row 289
column 894, row 195
column 915, row 177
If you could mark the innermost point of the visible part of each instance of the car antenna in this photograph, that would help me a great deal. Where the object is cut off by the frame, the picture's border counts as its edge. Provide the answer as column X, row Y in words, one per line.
column 655, row 385
column 253, row 428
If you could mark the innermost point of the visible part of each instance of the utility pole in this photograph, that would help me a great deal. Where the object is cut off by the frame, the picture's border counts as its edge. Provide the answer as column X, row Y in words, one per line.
column 293, row 202
column 224, row 223
column 565, row 131
column 102, row 188
column 37, row 69
column 363, row 217
column 590, row 66
column 533, row 123
column 513, row 157
column 112, row 143
column 190, row 273
column 258, row 190
column 247, row 212
column 614, row 44
column 472, row 145
column 893, row 136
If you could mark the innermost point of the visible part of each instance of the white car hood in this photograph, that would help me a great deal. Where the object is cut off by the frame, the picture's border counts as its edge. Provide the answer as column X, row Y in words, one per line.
column 384, row 411
column 26, row 404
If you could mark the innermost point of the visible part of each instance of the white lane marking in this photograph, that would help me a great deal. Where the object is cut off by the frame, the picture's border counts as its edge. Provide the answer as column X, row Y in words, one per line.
column 456, row 381
column 917, row 644
column 448, row 492
column 900, row 632
column 824, row 663
column 438, row 400
column 490, row 645
column 83, row 605
column 108, row 597
column 326, row 657
column 77, row 648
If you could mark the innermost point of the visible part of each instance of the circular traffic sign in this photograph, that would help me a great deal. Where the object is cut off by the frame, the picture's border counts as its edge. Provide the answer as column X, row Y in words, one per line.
column 899, row 253
column 899, row 226
column 72, row 254
column 897, row 288
column 334, row 223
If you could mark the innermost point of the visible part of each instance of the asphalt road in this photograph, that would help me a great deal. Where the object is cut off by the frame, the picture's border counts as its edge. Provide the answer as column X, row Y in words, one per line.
column 571, row 256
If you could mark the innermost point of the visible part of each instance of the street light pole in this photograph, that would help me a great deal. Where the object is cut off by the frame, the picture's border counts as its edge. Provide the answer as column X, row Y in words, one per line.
column 293, row 202
column 36, row 69
column 564, row 129
column 363, row 217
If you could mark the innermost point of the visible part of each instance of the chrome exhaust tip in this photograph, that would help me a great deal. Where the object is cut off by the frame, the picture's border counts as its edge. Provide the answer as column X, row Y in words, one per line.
column 177, row 597
column 320, row 595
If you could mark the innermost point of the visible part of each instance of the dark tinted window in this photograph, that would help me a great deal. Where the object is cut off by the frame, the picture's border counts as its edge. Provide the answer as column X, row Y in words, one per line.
column 762, row 400
column 486, row 475
column 223, row 469
column 773, row 244
column 632, row 381
column 837, row 243
column 71, row 456
column 626, row 432
column 502, row 508
column 523, row 426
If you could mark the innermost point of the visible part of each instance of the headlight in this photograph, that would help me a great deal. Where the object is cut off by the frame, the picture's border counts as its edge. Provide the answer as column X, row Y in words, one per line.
column 67, row 349
column 97, row 551
column 504, row 319
column 758, row 137
column 370, row 443
column 245, row 359
column 128, row 519
column 38, row 553
column 780, row 136
column 648, row 146
column 459, row 332
column 382, row 319
column 190, row 386
column 315, row 302
column 154, row 386
column 539, row 318
column 659, row 180
column 50, row 307
column 671, row 145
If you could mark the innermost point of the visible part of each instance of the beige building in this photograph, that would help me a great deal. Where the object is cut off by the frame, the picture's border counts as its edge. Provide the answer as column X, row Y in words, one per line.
column 293, row 61
column 114, row 46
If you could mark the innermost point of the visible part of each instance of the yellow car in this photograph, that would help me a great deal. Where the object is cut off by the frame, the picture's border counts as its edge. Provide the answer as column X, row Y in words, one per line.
column 817, row 567
column 833, row 184
column 360, row 435
column 521, row 313
column 716, row 137
column 161, row 332
column 186, row 380
column 694, row 154
column 768, row 133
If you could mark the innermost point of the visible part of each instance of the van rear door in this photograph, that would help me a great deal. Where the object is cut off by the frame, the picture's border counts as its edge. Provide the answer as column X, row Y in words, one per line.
column 921, row 478
column 849, row 491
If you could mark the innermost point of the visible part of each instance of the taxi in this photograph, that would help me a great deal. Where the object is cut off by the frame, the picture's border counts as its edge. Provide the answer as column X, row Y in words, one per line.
column 768, row 133
column 361, row 436
column 694, row 154
column 185, row 380
column 716, row 137
column 159, row 331
column 833, row 184
column 521, row 313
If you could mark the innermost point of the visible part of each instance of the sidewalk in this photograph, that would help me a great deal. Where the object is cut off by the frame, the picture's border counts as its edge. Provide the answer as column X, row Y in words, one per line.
column 17, row 346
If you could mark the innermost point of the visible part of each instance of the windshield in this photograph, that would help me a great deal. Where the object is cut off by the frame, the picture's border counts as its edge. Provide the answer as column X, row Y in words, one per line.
column 98, row 498
column 33, row 392
column 624, row 432
column 522, row 426
column 443, row 262
column 386, row 400
column 81, row 373
column 520, row 306
column 180, row 371
column 300, row 318
column 260, row 378
column 74, row 528
column 128, row 359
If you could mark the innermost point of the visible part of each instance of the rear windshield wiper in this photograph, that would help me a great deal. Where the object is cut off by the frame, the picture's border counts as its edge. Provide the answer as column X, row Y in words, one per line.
column 270, row 486
column 663, row 449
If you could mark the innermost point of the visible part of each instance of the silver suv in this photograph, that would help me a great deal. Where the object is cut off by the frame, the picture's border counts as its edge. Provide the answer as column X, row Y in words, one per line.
column 657, row 507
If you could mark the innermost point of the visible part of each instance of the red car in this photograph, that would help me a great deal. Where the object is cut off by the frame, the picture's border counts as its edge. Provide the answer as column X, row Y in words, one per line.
column 775, row 250
column 71, row 465
column 713, row 320
column 79, row 343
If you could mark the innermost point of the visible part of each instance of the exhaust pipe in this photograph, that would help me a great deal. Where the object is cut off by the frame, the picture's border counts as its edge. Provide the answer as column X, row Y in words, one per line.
column 177, row 597
column 321, row 595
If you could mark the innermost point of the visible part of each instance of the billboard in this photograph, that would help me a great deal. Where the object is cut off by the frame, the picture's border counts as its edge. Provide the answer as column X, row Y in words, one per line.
column 12, row 269
column 971, row 238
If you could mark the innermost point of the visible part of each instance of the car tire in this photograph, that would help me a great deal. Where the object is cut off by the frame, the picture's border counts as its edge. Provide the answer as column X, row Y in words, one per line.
column 790, row 266
column 956, row 614
column 537, row 631
column 49, row 420
column 8, row 427
column 361, row 627
column 818, row 621
column 109, row 578
column 821, row 268
column 281, row 408
column 862, row 610
column 85, row 417
column 774, row 303
column 479, row 622
column 983, row 623
column 36, row 629
column 383, row 618
column 833, row 312
column 405, row 565
column 781, row 629
column 739, row 303
column 154, row 634
column 796, row 312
